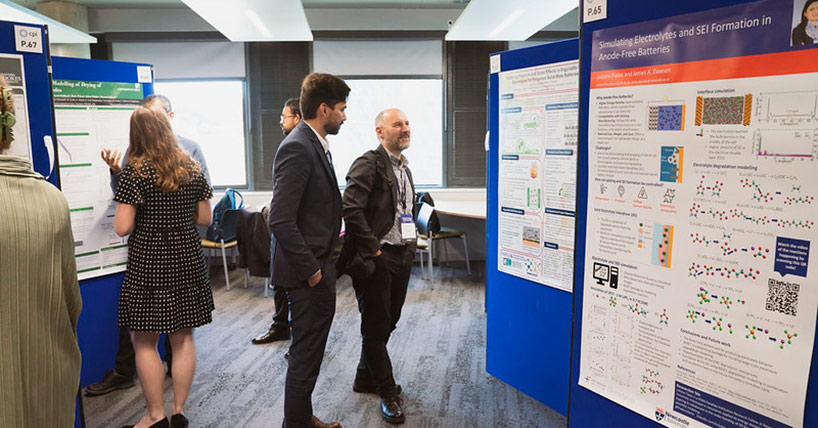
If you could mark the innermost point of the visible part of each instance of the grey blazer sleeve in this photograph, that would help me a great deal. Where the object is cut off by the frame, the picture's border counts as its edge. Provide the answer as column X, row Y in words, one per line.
column 195, row 151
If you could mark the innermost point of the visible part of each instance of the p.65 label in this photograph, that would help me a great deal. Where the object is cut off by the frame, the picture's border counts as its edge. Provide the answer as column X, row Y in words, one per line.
column 594, row 10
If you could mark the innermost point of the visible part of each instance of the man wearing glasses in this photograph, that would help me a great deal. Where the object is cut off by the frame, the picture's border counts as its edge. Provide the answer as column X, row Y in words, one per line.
column 280, row 329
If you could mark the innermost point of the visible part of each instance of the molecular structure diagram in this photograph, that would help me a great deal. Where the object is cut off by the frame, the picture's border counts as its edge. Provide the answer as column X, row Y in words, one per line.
column 718, row 324
column 637, row 310
column 663, row 317
column 758, row 195
column 715, row 189
column 703, row 296
column 726, row 301
column 693, row 315
column 612, row 301
column 788, row 339
column 793, row 200
column 751, row 332
column 725, row 247
column 651, row 383
column 696, row 270
column 722, row 215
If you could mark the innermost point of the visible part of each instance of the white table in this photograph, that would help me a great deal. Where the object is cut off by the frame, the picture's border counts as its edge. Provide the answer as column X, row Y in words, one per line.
column 470, row 209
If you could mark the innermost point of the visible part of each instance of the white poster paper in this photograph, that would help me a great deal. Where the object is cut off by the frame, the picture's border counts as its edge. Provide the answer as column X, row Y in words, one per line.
column 699, row 305
column 91, row 116
column 537, row 173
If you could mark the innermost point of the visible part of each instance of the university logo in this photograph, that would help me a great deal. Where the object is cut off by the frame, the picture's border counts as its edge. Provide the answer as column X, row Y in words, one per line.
column 660, row 414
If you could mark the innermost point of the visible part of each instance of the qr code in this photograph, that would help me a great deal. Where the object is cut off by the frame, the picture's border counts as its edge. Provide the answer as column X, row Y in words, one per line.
column 782, row 297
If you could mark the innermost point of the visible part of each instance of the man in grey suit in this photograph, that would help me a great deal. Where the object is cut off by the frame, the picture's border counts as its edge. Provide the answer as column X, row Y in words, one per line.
column 305, row 218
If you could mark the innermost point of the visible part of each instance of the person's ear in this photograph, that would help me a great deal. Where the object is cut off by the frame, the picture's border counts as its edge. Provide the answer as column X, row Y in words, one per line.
column 170, row 115
column 297, row 118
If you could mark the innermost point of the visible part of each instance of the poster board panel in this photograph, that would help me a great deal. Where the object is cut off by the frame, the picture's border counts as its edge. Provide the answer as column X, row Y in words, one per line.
column 92, row 110
column 529, row 325
column 698, row 307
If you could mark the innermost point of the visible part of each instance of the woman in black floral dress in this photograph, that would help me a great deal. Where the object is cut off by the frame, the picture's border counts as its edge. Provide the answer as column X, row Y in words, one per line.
column 161, row 194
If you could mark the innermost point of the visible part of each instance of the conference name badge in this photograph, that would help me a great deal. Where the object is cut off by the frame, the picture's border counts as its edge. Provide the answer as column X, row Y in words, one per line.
column 407, row 228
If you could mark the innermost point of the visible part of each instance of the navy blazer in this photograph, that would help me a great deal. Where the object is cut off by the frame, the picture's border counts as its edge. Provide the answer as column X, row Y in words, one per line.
column 305, row 214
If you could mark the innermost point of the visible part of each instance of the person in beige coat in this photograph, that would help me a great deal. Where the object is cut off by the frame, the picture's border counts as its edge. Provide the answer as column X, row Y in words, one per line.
column 39, row 295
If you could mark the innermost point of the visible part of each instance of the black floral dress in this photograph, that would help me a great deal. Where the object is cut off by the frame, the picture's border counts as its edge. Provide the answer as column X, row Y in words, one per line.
column 166, row 286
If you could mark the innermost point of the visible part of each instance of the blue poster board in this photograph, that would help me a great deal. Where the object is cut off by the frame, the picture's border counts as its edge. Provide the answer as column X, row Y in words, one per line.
column 97, row 330
column 588, row 409
column 529, row 324
column 38, row 98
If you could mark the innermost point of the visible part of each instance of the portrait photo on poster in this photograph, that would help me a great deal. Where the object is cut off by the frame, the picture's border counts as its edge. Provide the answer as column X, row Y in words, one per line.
column 804, row 22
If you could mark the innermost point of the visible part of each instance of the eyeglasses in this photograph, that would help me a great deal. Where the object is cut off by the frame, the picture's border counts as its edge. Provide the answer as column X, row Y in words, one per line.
column 282, row 117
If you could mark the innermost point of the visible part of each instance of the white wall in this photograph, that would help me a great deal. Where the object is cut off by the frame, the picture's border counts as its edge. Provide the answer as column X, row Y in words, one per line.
column 368, row 58
column 192, row 60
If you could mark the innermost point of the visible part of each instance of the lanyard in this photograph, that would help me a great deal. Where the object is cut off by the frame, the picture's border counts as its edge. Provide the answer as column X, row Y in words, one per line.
column 402, row 189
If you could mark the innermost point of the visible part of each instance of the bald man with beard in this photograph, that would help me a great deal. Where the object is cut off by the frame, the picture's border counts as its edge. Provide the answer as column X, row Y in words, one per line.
column 378, row 252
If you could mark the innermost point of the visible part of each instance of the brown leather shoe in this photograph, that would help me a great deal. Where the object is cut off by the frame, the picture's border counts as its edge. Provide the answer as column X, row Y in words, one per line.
column 316, row 423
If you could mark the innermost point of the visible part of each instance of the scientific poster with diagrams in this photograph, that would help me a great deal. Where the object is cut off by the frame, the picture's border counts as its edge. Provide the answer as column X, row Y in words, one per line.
column 700, row 294
column 91, row 116
column 12, row 69
column 537, row 173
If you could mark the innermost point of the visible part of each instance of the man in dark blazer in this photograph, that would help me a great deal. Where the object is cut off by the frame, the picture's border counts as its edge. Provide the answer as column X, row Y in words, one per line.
column 305, row 218
column 280, row 328
column 378, row 252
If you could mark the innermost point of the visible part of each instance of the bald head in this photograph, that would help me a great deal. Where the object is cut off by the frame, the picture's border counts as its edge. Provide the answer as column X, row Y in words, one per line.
column 393, row 130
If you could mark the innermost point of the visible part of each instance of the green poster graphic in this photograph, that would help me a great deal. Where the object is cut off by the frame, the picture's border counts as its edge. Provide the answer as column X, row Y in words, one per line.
column 97, row 90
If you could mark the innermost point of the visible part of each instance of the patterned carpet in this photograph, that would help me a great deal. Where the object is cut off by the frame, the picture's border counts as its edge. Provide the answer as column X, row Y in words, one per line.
column 438, row 352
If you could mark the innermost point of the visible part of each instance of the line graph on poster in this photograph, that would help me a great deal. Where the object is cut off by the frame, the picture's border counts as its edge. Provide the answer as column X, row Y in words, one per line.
column 787, row 107
column 786, row 145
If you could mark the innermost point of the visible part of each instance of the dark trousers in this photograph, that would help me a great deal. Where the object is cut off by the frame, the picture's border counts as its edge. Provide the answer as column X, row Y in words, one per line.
column 380, row 301
column 126, row 357
column 282, row 315
column 312, row 309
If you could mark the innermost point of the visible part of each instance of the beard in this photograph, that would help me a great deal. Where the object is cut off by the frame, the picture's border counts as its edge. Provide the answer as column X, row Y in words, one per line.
column 400, row 143
column 333, row 128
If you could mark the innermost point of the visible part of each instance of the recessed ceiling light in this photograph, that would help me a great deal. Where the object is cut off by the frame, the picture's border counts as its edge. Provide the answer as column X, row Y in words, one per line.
column 255, row 20
column 508, row 19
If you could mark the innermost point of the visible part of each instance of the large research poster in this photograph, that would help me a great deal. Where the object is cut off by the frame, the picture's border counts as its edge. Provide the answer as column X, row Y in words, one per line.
column 537, row 173
column 700, row 300
column 91, row 116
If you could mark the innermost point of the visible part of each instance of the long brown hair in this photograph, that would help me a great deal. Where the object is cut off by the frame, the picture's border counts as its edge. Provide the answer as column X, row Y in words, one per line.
column 152, row 141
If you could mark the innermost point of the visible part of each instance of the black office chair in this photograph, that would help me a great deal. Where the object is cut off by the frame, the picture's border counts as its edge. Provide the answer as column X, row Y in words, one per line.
column 430, row 231
column 227, row 239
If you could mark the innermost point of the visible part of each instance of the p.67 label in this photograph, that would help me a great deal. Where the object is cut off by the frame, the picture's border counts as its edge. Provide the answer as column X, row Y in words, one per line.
column 28, row 39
